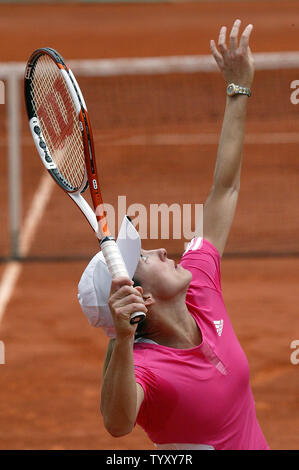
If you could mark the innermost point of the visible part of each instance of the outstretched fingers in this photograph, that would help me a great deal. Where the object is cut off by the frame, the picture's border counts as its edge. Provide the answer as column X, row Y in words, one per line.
column 220, row 55
column 217, row 56
column 233, row 38
column 222, row 41
column 244, row 40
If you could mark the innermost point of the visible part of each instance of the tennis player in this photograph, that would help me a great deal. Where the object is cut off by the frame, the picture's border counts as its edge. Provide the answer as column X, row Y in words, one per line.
column 181, row 374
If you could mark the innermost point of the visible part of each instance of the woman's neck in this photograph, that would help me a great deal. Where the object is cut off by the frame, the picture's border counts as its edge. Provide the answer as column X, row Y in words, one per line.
column 172, row 325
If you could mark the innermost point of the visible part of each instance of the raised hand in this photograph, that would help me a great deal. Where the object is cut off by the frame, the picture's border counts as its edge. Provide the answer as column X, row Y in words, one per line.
column 235, row 61
column 124, row 300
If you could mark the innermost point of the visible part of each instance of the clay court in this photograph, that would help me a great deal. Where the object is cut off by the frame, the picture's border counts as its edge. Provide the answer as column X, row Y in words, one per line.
column 50, row 382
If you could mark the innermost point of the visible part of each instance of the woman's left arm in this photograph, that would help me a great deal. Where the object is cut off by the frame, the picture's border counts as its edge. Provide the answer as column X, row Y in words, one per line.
column 236, row 64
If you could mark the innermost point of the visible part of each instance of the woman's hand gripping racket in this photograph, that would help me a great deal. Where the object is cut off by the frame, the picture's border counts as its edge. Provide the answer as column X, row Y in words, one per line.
column 61, row 130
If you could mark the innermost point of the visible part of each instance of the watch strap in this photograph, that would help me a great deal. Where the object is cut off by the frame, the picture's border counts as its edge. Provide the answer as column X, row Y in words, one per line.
column 234, row 89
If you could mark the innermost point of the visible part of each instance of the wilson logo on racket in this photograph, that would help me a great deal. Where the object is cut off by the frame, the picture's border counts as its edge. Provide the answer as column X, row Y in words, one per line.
column 59, row 125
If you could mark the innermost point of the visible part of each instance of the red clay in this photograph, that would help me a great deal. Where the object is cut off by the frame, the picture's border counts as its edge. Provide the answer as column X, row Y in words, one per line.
column 50, row 385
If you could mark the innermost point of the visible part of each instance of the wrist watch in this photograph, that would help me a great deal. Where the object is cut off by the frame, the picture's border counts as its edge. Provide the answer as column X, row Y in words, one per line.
column 234, row 89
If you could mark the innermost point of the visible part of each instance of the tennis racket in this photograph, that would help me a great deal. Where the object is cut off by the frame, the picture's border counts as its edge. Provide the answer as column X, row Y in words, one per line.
column 61, row 130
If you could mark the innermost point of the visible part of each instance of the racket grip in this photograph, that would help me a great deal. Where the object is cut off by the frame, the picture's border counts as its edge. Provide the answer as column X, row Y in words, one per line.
column 117, row 268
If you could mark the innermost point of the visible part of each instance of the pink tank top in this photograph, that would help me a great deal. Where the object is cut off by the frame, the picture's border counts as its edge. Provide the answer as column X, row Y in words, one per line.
column 199, row 397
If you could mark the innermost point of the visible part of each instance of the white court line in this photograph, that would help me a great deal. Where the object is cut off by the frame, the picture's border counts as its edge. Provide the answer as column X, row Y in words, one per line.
column 266, row 138
column 9, row 279
column 35, row 212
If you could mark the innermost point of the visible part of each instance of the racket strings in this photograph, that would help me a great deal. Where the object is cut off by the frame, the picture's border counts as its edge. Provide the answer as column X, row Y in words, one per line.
column 59, row 121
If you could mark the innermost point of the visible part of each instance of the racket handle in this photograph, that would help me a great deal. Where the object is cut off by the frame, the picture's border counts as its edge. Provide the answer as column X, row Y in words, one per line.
column 117, row 268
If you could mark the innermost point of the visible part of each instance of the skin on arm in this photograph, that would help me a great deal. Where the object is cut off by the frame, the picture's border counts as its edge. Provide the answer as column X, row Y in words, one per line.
column 140, row 392
column 121, row 396
column 236, row 64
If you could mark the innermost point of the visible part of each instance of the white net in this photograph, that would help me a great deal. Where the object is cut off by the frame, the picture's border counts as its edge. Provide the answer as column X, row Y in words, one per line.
column 156, row 124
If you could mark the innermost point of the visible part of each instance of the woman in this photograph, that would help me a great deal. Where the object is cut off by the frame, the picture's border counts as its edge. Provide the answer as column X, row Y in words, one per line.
column 185, row 379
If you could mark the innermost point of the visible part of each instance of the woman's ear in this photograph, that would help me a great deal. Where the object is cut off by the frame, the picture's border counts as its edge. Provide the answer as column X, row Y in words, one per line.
column 148, row 300
column 139, row 288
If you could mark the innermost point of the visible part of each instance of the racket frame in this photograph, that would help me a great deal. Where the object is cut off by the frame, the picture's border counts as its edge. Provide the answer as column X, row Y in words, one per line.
column 96, row 218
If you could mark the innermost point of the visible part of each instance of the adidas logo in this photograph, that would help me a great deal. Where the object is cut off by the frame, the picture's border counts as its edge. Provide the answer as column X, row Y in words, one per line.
column 219, row 326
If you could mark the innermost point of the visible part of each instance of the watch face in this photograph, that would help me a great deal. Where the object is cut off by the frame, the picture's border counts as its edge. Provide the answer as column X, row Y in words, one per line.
column 230, row 90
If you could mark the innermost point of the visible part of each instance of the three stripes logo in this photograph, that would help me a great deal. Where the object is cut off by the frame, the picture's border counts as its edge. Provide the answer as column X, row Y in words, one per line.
column 219, row 326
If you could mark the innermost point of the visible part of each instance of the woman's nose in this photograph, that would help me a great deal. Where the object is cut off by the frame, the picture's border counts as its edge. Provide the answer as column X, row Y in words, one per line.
column 163, row 254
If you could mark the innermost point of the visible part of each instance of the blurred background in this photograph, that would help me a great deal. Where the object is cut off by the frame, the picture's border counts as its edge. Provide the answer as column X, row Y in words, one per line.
column 156, row 102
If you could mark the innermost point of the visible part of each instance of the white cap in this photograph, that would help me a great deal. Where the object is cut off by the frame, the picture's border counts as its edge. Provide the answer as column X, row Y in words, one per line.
column 95, row 282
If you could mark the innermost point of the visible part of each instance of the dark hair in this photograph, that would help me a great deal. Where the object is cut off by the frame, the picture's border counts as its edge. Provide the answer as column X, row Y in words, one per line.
column 141, row 328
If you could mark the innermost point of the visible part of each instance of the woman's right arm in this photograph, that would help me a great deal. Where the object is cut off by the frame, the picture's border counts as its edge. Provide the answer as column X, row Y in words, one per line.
column 121, row 396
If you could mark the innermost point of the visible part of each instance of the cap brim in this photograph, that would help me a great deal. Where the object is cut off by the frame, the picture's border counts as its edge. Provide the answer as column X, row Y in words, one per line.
column 95, row 283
